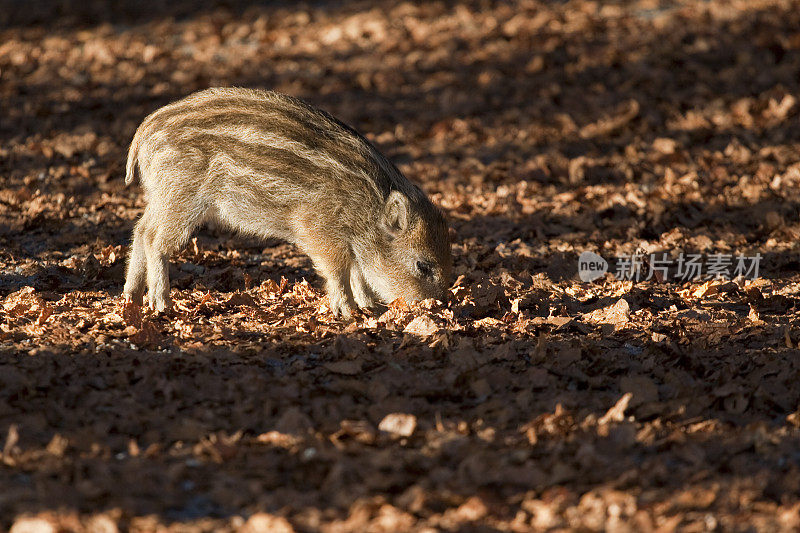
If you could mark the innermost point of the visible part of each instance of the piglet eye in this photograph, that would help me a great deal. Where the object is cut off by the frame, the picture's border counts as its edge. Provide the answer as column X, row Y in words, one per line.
column 425, row 269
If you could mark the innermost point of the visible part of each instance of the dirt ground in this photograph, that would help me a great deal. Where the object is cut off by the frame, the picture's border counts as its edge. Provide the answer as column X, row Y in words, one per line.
column 530, row 400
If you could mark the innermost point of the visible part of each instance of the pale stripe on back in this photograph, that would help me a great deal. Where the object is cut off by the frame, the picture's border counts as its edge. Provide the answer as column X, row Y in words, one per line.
column 285, row 134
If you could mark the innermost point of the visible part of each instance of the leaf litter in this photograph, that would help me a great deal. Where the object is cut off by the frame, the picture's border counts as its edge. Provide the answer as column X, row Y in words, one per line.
column 528, row 399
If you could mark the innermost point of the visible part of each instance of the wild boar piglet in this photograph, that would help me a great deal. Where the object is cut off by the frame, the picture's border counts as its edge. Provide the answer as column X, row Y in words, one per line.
column 271, row 165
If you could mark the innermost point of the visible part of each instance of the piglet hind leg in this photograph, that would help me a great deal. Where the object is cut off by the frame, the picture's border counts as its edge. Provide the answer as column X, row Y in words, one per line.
column 157, row 275
column 167, row 230
column 136, row 277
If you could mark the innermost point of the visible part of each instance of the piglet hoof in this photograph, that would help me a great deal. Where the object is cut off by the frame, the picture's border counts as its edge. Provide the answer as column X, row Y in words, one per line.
column 159, row 304
column 365, row 303
column 341, row 308
column 345, row 312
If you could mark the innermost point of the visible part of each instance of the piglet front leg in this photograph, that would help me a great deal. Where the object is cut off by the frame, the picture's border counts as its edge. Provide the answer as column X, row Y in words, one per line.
column 363, row 294
column 333, row 263
column 342, row 303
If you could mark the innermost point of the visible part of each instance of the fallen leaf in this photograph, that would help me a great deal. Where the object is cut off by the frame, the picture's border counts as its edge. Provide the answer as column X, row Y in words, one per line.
column 32, row 525
column 616, row 413
column 241, row 298
column 398, row 424
column 147, row 336
column 472, row 510
column 266, row 523
column 422, row 326
column 616, row 314
column 642, row 388
column 348, row 368
column 664, row 145
column 132, row 314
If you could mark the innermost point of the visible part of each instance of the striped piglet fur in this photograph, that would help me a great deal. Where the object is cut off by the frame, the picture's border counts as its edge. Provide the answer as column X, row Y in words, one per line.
column 270, row 165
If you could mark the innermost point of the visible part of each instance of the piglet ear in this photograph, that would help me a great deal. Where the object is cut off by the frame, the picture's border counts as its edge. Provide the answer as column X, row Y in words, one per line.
column 395, row 213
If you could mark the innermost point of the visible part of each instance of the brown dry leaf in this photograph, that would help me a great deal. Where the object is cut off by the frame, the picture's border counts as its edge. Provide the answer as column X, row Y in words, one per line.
column 488, row 323
column 568, row 355
column 57, row 445
column 488, row 297
column 348, row 368
column 276, row 438
column 21, row 302
column 400, row 304
column 664, row 145
column 219, row 451
column 559, row 321
column 270, row 287
column 465, row 357
column 360, row 430
column 132, row 314
column 32, row 525
column 398, row 424
column 18, row 310
column 736, row 403
column 148, row 335
column 293, row 421
column 617, row 412
column 202, row 305
column 472, row 510
column 45, row 313
column 442, row 340
column 91, row 267
column 109, row 255
column 390, row 518
column 102, row 523
column 422, row 326
column 709, row 288
column 617, row 314
column 658, row 337
column 266, row 523
column 241, row 299
column 754, row 317
column 642, row 388
column 696, row 498
column 624, row 114
column 12, row 438
column 504, row 352
column 754, row 295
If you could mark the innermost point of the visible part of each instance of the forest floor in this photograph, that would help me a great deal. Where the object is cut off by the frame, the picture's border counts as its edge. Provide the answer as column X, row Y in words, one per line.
column 529, row 400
